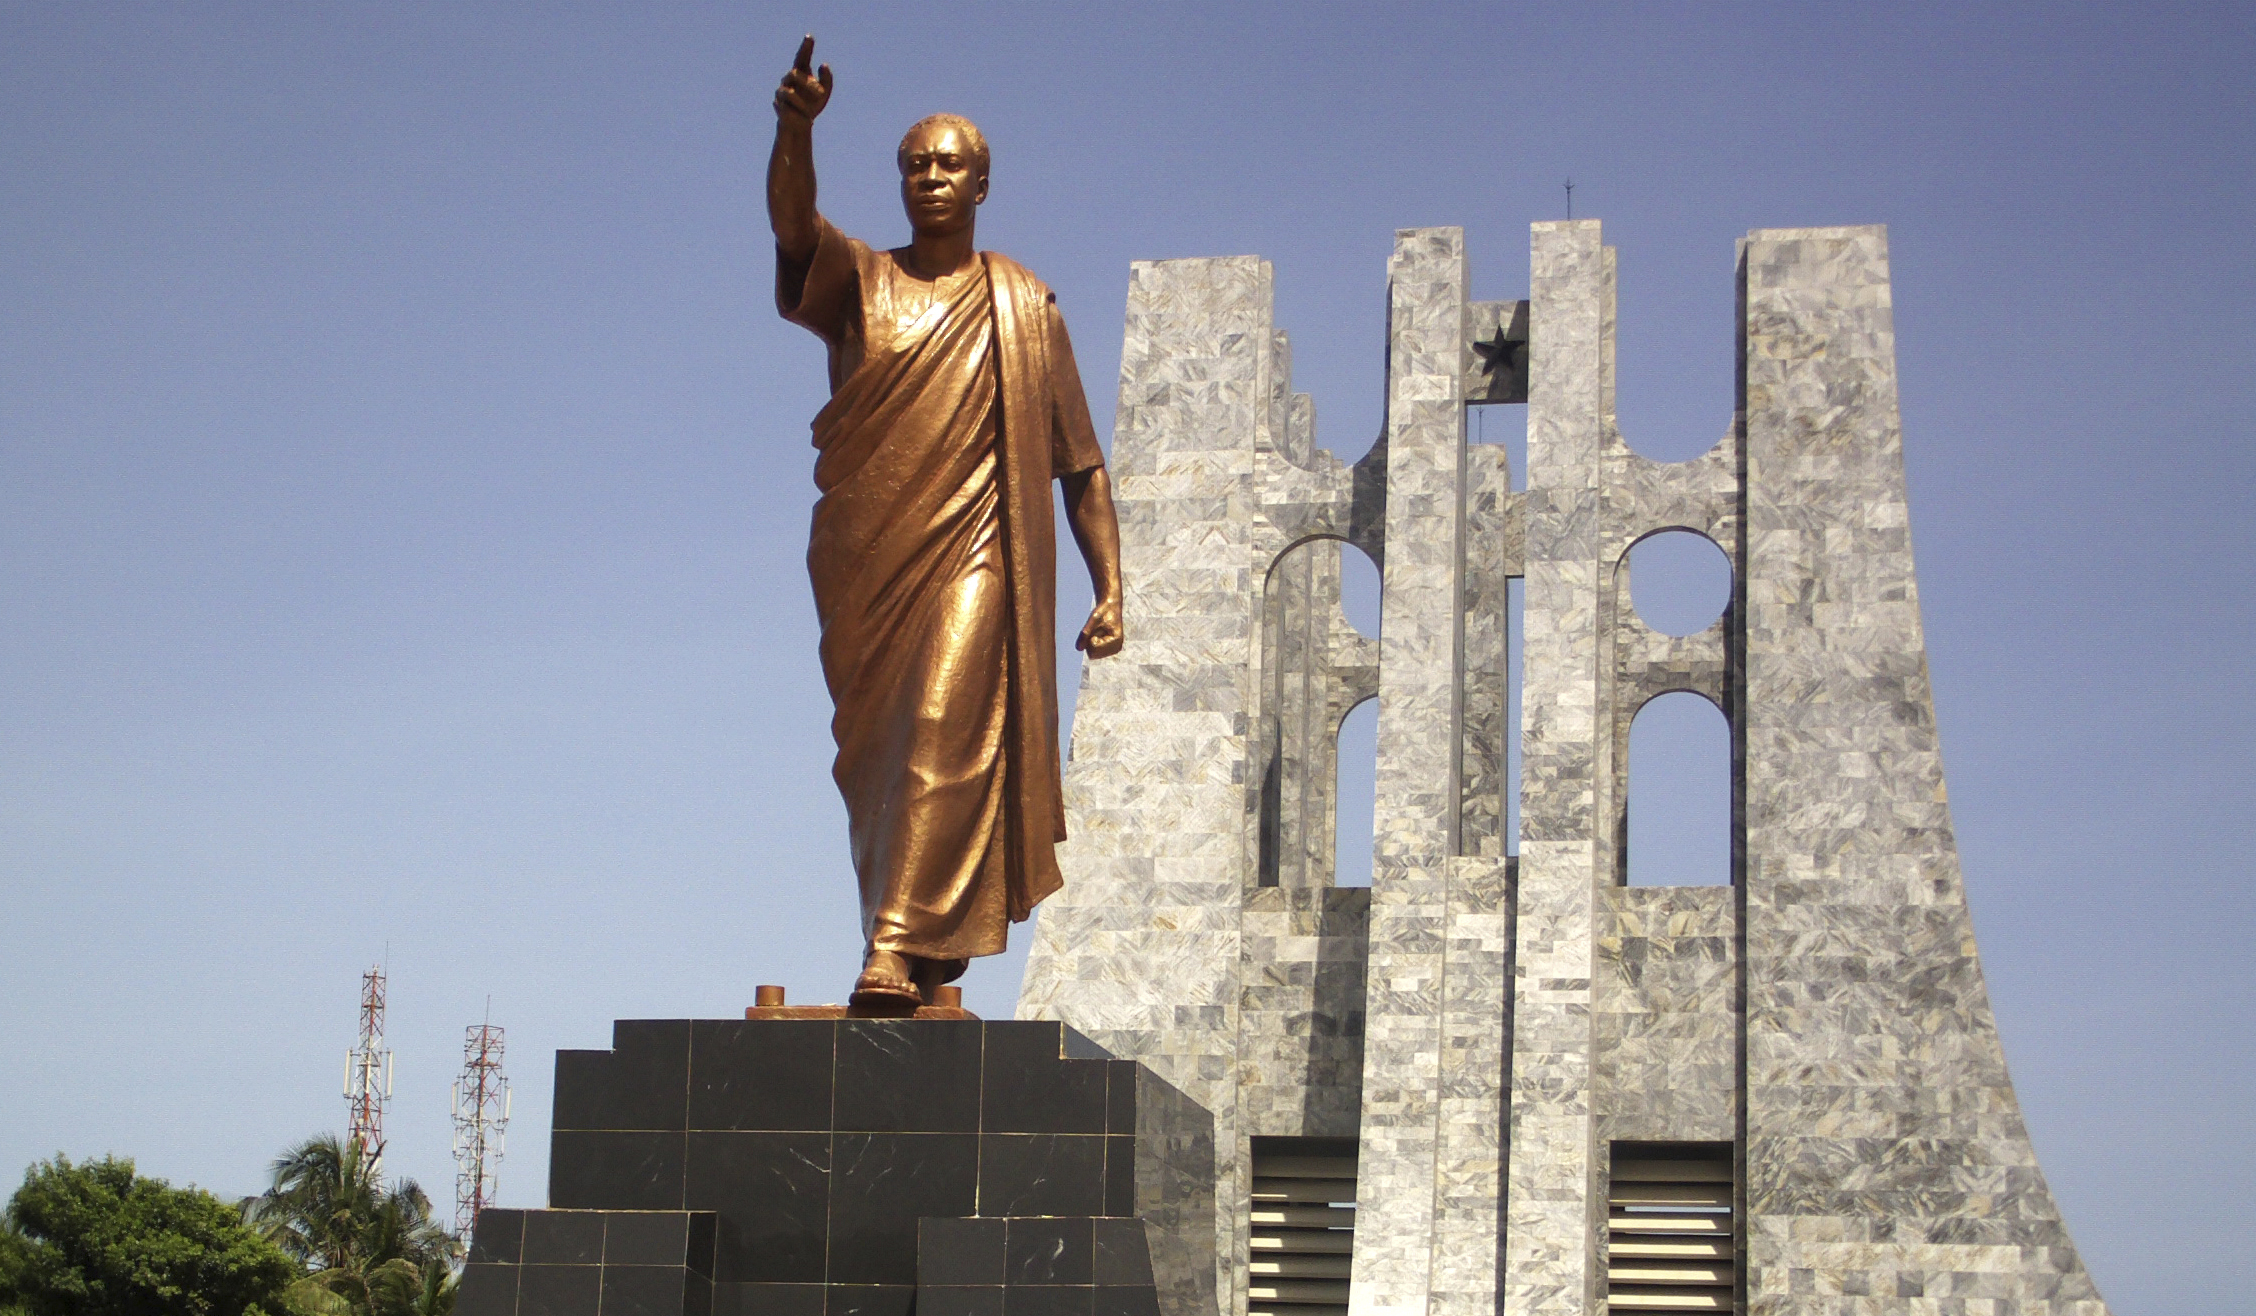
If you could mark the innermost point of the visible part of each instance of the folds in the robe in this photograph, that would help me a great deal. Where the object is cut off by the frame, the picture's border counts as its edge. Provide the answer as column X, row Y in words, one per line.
column 933, row 557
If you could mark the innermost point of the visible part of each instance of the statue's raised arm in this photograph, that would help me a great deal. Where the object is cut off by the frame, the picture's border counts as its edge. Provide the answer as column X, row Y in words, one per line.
column 791, row 165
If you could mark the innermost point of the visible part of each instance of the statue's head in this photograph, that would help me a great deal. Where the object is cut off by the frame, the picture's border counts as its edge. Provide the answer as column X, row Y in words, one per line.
column 943, row 161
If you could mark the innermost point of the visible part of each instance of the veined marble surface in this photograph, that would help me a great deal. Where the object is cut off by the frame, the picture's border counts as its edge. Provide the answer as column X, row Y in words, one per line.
column 1489, row 1026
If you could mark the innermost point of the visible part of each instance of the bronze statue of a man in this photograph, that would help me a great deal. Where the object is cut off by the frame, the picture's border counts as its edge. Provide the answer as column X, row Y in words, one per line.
column 954, row 403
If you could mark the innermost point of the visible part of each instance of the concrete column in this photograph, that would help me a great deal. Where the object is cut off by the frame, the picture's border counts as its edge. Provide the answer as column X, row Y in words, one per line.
column 1140, row 951
column 1886, row 1159
column 1416, row 809
column 1550, row 1208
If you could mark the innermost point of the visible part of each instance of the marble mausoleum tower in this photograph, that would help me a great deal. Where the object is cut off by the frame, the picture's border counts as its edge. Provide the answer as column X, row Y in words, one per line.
column 1544, row 1092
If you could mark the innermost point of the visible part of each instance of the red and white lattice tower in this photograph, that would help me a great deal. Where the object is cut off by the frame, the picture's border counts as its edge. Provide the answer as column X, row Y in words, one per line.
column 481, row 1114
column 368, row 1072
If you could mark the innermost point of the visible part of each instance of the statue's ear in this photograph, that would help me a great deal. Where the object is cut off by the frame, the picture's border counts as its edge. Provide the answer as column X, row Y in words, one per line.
column 979, row 198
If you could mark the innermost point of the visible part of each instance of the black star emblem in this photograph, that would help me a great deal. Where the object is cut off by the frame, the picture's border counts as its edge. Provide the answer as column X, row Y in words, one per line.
column 1499, row 356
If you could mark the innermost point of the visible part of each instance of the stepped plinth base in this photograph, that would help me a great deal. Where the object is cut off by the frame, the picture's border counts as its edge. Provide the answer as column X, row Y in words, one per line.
column 788, row 1165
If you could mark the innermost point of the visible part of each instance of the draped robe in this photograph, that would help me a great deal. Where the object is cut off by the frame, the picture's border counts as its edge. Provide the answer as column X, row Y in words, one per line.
column 954, row 403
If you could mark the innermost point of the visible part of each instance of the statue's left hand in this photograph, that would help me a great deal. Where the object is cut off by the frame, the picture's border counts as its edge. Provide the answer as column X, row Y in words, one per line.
column 1102, row 637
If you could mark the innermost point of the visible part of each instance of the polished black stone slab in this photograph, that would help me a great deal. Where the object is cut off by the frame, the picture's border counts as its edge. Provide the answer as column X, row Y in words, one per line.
column 821, row 1143
column 581, row 1263
column 810, row 1153
column 1035, row 1266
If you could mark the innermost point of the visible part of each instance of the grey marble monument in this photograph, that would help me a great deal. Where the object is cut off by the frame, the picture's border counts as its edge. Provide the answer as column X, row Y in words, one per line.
column 1565, row 1094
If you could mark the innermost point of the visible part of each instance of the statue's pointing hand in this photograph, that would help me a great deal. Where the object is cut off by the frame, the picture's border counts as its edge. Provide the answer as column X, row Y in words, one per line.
column 804, row 91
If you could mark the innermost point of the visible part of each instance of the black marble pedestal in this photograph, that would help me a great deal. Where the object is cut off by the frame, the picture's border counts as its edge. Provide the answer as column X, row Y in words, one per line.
column 621, row 1263
column 800, row 1159
column 1040, row 1266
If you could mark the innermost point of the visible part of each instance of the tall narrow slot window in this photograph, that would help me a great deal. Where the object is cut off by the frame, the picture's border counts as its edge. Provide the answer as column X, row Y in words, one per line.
column 1303, row 1217
column 1356, row 738
column 1354, row 798
column 1669, row 1227
column 1515, row 650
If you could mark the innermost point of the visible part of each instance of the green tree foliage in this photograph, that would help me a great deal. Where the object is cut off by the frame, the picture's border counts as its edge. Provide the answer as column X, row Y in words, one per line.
column 15, row 1269
column 99, row 1240
column 365, row 1249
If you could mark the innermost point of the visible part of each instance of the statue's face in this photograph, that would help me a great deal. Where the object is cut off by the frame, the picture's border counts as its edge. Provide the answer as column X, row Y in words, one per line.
column 940, row 184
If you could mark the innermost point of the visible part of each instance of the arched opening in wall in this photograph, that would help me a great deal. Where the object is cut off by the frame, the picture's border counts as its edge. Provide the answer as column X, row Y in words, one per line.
column 1679, row 582
column 1355, row 795
column 1317, row 662
column 1679, row 797
column 1359, row 589
column 1356, row 744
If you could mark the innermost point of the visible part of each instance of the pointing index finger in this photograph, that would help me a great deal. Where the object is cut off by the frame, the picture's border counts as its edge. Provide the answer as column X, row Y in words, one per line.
column 805, row 62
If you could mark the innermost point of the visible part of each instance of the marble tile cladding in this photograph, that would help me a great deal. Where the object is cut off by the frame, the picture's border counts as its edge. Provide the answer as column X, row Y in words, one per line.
column 1665, row 1016
column 1416, row 806
column 1549, row 1209
column 1143, row 948
column 1486, row 1025
column 1300, row 1029
column 1864, row 992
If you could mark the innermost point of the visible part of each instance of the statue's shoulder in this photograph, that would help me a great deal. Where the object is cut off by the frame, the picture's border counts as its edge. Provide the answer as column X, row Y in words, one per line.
column 1022, row 281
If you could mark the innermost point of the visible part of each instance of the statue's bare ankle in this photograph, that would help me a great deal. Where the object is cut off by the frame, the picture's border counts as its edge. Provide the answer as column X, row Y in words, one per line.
column 928, row 975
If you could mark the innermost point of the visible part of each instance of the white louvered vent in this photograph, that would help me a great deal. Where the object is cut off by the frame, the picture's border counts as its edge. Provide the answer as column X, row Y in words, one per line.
column 1669, row 1228
column 1303, row 1217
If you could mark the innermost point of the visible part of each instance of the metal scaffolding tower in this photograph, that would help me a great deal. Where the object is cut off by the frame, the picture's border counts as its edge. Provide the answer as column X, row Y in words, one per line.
column 481, row 1114
column 368, row 1072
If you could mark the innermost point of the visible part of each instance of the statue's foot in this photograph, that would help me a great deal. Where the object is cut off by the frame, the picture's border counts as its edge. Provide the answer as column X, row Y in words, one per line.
column 885, row 983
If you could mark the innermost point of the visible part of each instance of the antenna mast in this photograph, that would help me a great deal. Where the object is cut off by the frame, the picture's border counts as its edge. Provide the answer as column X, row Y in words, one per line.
column 481, row 1114
column 368, row 1073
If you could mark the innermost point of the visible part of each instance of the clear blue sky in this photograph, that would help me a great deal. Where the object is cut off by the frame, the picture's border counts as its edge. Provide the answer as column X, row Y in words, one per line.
column 403, row 482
